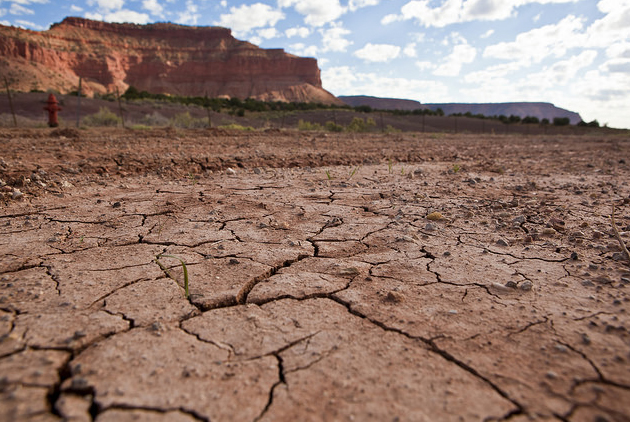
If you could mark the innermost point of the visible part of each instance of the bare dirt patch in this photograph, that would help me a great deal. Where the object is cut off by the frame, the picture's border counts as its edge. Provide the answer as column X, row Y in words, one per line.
column 332, row 277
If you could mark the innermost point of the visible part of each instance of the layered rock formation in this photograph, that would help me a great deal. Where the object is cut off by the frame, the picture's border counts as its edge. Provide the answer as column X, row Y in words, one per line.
column 158, row 58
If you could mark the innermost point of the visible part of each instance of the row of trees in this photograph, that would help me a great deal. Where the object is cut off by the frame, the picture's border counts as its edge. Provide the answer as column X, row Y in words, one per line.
column 238, row 107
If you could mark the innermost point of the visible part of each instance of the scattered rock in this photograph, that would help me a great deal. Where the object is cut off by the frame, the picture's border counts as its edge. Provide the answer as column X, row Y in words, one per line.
column 394, row 296
column 502, row 242
column 230, row 171
column 526, row 286
column 435, row 216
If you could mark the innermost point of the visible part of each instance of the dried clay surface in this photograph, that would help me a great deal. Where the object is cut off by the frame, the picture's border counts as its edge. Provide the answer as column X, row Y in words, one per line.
column 393, row 277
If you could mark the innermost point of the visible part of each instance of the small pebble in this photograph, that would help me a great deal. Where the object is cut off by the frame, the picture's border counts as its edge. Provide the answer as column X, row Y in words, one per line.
column 230, row 171
column 502, row 242
column 511, row 284
column 393, row 296
column 429, row 227
column 526, row 286
column 435, row 216
column 17, row 194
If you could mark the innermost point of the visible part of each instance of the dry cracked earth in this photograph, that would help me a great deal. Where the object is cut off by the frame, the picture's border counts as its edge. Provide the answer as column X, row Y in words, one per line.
column 405, row 277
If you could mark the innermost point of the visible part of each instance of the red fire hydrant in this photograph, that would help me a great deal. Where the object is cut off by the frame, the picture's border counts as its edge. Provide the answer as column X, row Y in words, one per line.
column 52, row 109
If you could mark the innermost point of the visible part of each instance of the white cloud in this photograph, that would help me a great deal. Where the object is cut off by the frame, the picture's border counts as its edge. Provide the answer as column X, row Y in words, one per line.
column 493, row 73
column 410, row 50
column 29, row 25
column 487, row 34
column 458, row 11
column 611, row 28
column 190, row 15
column 76, row 9
column 378, row 52
column 153, row 7
column 298, row 31
column 558, row 74
column 16, row 9
column 540, row 43
column 424, row 65
column 244, row 18
column 333, row 38
column 316, row 12
column 267, row 33
column 387, row 19
column 358, row 4
column 107, row 5
column 125, row 15
column 344, row 80
column 619, row 50
column 301, row 49
column 462, row 54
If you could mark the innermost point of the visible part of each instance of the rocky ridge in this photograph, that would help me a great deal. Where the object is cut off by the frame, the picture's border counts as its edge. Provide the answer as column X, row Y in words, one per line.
column 159, row 58
column 522, row 109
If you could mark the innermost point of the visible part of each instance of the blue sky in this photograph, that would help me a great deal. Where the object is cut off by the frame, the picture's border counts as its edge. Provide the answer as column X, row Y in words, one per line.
column 573, row 53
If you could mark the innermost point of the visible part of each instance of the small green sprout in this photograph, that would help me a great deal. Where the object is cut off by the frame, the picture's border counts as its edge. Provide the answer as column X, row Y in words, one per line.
column 354, row 171
column 328, row 175
column 456, row 168
column 157, row 261
column 390, row 166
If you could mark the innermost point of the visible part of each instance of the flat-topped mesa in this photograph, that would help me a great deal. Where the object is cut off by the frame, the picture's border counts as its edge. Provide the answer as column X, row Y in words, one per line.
column 158, row 58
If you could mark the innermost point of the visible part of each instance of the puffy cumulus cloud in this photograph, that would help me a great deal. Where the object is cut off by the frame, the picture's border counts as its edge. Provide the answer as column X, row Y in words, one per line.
column 424, row 65
column 602, row 95
column 154, row 7
column 316, row 12
column 106, row 5
column 125, row 15
column 358, row 4
column 298, row 31
column 377, row 52
column 614, row 26
column 190, row 15
column 410, row 50
column 457, row 11
column 539, row 43
column 492, row 73
column 244, row 18
column 619, row 50
column 17, row 9
column 75, row 9
column 561, row 73
column 301, row 49
column 333, row 38
column 344, row 80
column 452, row 65
column 391, row 18
column 29, row 25
column 267, row 33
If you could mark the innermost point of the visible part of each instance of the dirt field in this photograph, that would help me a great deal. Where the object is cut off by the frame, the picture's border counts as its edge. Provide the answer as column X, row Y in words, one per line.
column 403, row 277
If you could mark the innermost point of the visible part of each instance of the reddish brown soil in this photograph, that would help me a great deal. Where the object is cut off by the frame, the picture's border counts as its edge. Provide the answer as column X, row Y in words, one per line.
column 408, row 277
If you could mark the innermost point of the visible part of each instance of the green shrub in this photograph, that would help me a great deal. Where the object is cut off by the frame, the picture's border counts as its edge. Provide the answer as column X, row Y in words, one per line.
column 104, row 117
column 359, row 125
column 235, row 126
column 185, row 120
column 154, row 119
column 303, row 125
column 333, row 127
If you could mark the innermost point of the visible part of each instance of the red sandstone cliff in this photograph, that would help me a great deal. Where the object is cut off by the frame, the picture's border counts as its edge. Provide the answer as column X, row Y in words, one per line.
column 159, row 58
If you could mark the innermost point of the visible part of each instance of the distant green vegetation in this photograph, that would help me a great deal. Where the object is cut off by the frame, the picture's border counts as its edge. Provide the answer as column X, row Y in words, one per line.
column 238, row 107
column 234, row 105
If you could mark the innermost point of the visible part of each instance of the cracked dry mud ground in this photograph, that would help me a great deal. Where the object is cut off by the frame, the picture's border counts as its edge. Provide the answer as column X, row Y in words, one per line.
column 313, row 298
